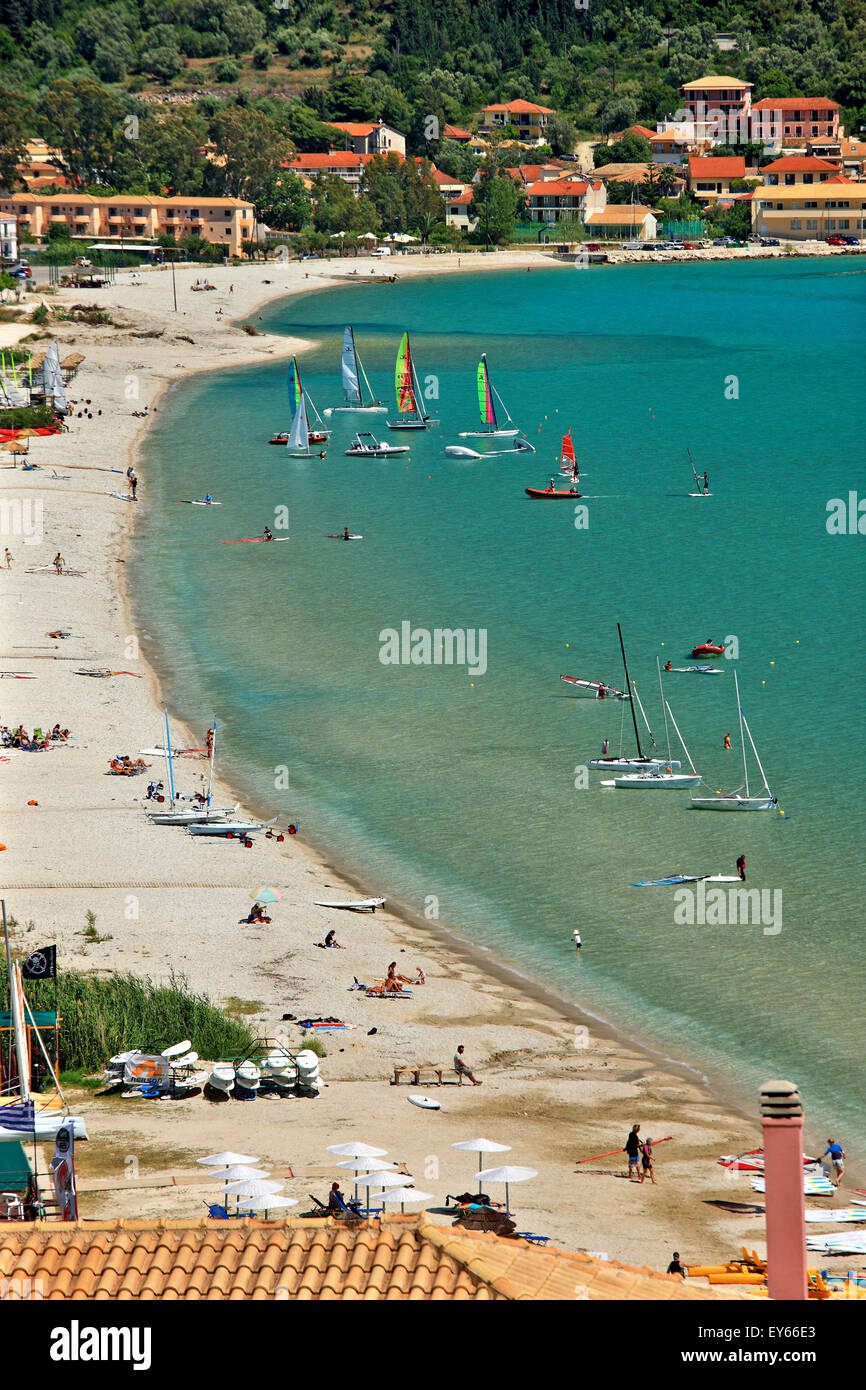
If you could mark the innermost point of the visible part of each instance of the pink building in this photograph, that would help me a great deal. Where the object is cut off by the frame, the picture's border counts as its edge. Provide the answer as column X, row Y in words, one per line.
column 717, row 109
column 794, row 120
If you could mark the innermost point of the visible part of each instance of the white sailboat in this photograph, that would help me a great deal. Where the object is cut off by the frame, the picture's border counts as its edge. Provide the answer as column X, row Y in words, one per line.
column 408, row 392
column 48, row 1113
column 664, row 778
column 487, row 398
column 641, row 763
column 741, row 799
column 317, row 433
column 298, row 441
column 188, row 815
column 353, row 377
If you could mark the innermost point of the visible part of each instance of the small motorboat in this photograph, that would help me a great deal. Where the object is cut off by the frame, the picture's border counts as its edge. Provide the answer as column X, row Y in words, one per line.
column 552, row 494
column 708, row 649
column 368, row 446
column 313, row 437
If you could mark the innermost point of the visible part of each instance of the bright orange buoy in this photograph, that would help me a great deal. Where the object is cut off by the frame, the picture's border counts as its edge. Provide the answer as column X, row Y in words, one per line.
column 33, row 803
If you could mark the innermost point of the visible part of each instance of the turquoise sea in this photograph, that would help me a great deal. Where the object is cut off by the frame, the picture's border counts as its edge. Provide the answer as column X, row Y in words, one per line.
column 456, row 792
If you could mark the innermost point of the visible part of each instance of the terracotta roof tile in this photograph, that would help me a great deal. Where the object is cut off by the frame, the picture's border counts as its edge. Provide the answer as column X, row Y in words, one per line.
column 404, row 1257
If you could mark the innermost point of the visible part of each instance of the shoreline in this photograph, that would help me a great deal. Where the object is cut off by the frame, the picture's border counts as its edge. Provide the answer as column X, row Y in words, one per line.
column 314, row 861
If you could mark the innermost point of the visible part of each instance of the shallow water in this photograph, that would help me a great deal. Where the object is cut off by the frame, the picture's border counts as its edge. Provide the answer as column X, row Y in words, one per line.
column 456, row 791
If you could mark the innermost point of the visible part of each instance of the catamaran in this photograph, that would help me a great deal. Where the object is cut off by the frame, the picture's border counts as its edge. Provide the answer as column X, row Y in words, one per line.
column 298, row 398
column 567, row 465
column 737, row 801
column 408, row 392
column 487, row 407
column 202, row 813
column 353, row 377
column 642, row 763
column 665, row 777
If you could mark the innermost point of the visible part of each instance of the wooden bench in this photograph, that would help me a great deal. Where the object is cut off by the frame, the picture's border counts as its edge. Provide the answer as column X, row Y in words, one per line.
column 425, row 1074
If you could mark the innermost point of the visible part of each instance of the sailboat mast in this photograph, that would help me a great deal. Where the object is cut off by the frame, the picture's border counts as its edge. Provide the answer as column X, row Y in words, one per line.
column 628, row 688
column 636, row 694
column 15, row 996
column 664, row 708
column 168, row 751
column 418, row 409
column 742, row 740
column 757, row 759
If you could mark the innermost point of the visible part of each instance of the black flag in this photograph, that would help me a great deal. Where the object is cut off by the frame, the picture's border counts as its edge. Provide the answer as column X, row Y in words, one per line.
column 41, row 964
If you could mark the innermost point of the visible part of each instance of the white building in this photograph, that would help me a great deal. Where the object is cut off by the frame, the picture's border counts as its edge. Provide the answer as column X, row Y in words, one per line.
column 9, row 238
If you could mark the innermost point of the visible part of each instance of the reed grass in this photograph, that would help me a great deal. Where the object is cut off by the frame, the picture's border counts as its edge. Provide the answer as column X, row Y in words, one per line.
column 104, row 1015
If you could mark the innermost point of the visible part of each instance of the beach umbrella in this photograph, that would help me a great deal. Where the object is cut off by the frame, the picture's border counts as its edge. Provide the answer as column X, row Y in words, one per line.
column 403, row 1195
column 482, row 1146
column 239, row 1171
column 507, row 1174
column 368, row 1165
column 267, row 895
column 225, row 1160
column 356, row 1150
column 267, row 1204
column 368, row 236
column 253, row 1187
column 383, row 1179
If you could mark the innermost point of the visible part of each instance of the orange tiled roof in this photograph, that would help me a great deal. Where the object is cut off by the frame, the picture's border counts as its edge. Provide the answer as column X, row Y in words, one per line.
column 453, row 132
column 795, row 104
column 560, row 187
column 717, row 166
column 404, row 1257
column 798, row 164
column 521, row 108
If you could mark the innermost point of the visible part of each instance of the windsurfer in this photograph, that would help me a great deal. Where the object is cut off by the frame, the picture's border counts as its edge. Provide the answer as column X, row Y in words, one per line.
column 706, row 483
column 668, row 666
column 208, row 500
column 345, row 533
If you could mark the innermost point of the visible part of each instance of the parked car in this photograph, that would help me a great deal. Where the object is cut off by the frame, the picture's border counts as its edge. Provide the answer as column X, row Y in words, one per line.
column 592, row 246
column 308, row 256
column 770, row 241
column 675, row 246
column 694, row 245
column 836, row 241
column 382, row 251
column 82, row 261
column 851, row 240
column 649, row 246
column 20, row 271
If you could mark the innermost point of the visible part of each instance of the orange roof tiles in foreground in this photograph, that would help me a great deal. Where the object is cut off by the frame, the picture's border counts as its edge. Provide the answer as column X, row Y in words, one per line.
column 403, row 1257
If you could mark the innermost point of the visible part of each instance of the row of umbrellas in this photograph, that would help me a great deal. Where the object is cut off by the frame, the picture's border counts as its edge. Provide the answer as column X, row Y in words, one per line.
column 253, row 1191
column 403, row 238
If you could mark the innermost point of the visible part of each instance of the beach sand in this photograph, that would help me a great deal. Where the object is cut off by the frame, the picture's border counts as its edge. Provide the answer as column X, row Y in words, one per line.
column 555, row 1087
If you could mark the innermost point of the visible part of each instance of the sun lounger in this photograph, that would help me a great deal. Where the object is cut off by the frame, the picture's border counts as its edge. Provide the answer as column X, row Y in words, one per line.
column 216, row 1212
column 391, row 994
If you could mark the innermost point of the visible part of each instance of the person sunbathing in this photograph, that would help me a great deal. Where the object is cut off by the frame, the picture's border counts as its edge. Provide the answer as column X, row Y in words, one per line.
column 59, row 734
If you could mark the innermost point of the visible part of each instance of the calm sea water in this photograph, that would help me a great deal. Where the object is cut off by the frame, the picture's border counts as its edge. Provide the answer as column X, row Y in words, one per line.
column 456, row 792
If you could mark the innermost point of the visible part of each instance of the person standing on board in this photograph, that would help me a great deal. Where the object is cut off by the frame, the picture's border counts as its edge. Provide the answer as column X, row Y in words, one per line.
column 632, row 1148
column 267, row 534
column 706, row 483
column 741, row 867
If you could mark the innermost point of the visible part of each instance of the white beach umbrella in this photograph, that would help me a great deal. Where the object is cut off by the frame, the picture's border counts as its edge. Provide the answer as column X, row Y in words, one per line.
column 253, row 1187
column 365, row 1165
column 383, row 1179
column 507, row 1174
column 482, row 1146
column 402, row 1195
column 356, row 1150
column 240, row 1171
column 225, row 1160
column 267, row 1204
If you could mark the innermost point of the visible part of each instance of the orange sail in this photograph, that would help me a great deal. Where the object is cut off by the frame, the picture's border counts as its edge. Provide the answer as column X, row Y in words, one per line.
column 567, row 461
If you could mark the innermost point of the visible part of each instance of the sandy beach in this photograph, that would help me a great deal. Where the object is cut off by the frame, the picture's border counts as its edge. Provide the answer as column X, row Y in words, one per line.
column 555, row 1086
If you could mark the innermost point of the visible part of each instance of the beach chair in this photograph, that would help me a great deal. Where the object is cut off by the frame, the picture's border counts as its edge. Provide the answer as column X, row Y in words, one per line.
column 533, row 1239
column 37, row 734
column 216, row 1212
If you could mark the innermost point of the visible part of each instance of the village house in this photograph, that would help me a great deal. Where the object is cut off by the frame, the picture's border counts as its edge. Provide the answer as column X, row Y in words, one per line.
column 227, row 222
column 791, row 121
column 636, row 173
column 569, row 200
column 710, row 175
column 367, row 137
column 800, row 213
column 37, row 168
column 348, row 166
column 530, row 121
column 717, row 109
column 454, row 132
column 8, row 238
column 668, row 146
column 457, row 209
column 622, row 222
column 797, row 169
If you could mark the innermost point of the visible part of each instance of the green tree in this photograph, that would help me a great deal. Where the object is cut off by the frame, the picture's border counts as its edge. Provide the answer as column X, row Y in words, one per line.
column 15, row 116
column 349, row 100
column 227, row 71
column 631, row 149
column 562, row 134
column 171, row 145
column 286, row 204
column 112, row 59
column 243, row 26
column 84, row 122
column 164, row 62
column 495, row 203
column 251, row 147
column 262, row 56
column 774, row 83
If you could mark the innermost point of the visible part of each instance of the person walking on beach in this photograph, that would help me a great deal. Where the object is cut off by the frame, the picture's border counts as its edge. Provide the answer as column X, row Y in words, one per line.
column 632, row 1148
column 461, row 1068
column 59, row 563
column 133, row 483
column 646, row 1162
column 836, row 1154
column 8, row 558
